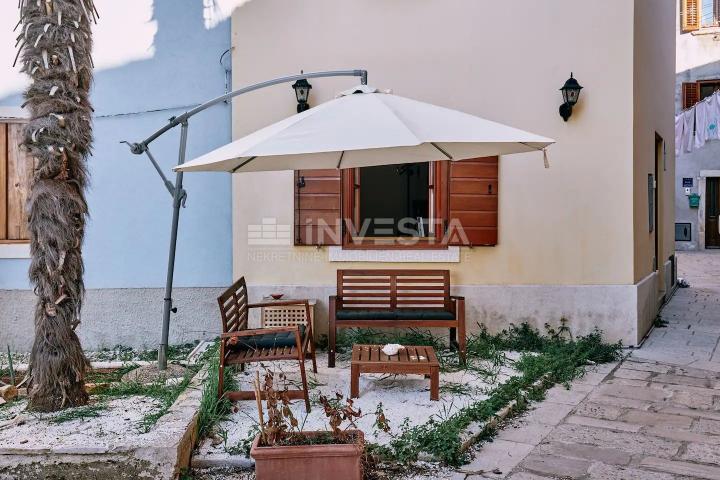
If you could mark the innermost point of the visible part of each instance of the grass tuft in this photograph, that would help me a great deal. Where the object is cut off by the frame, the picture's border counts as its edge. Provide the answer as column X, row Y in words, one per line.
column 164, row 394
column 79, row 413
column 213, row 409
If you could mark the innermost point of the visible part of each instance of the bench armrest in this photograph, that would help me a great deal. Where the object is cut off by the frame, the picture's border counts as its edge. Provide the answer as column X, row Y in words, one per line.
column 456, row 297
column 336, row 302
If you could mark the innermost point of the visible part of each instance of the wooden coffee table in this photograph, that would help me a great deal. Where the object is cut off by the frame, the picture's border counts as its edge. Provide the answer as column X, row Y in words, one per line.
column 409, row 360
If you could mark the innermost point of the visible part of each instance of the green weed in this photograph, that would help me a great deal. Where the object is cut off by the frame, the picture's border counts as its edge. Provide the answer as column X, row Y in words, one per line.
column 164, row 394
column 79, row 413
column 660, row 322
column 213, row 409
column 555, row 356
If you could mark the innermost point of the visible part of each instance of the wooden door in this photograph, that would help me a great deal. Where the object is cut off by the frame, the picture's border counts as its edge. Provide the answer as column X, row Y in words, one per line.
column 712, row 210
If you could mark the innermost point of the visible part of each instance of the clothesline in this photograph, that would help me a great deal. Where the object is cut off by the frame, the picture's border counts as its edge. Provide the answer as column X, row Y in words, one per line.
column 698, row 125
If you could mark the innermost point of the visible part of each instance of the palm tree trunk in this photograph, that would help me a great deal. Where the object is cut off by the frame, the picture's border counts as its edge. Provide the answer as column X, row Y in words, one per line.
column 55, row 44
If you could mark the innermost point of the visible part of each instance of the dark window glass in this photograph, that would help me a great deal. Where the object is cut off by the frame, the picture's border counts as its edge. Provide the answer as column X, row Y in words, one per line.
column 708, row 88
column 394, row 200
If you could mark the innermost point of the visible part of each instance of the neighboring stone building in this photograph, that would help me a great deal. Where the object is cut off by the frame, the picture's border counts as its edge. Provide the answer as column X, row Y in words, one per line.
column 589, row 239
column 697, row 172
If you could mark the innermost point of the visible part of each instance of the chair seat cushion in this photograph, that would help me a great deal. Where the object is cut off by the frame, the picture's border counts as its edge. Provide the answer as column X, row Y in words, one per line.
column 267, row 340
column 424, row 314
column 370, row 314
column 395, row 314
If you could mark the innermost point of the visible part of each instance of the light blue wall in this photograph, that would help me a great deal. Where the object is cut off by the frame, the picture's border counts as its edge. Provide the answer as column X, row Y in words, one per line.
column 130, row 211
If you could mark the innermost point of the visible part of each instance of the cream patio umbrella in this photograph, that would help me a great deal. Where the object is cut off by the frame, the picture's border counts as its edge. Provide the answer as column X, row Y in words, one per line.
column 364, row 127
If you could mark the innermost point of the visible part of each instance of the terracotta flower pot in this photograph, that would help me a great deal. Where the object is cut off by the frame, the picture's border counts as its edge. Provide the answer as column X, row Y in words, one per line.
column 310, row 462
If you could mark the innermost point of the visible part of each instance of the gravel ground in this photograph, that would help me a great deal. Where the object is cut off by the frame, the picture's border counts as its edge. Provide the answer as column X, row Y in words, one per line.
column 115, row 423
column 404, row 398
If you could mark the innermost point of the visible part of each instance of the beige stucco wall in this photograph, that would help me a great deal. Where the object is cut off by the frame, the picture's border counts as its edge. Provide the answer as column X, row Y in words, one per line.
column 569, row 225
column 654, row 109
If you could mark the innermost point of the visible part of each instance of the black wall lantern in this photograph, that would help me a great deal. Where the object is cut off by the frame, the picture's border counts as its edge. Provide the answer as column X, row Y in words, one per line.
column 302, row 92
column 571, row 94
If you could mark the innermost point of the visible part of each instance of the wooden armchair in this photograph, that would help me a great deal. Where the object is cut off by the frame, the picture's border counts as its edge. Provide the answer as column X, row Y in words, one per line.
column 240, row 345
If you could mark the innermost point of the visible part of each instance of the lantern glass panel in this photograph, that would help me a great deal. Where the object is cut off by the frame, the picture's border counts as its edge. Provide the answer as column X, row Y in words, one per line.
column 301, row 94
column 571, row 95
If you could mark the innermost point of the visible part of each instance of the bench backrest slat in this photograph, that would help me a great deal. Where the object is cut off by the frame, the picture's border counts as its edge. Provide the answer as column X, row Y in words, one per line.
column 233, row 305
column 391, row 289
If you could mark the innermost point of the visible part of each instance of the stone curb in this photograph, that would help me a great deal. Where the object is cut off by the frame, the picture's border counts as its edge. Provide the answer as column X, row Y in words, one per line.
column 22, row 367
column 477, row 429
column 167, row 452
column 220, row 461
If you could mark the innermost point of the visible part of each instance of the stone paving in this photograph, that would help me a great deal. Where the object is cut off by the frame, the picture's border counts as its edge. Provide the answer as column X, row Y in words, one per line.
column 654, row 416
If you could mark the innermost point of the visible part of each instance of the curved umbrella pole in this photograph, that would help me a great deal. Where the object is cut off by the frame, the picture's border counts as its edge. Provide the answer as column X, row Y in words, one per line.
column 176, row 190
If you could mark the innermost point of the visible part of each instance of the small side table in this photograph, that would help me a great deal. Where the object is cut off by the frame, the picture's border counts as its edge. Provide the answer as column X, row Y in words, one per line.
column 287, row 315
column 411, row 359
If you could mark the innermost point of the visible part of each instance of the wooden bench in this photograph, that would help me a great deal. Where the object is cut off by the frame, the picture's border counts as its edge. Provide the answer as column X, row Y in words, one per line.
column 396, row 298
column 240, row 345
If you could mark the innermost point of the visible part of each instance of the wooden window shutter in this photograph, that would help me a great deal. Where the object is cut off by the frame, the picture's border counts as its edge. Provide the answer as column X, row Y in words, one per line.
column 16, row 173
column 690, row 94
column 3, row 181
column 472, row 217
column 690, row 15
column 317, row 207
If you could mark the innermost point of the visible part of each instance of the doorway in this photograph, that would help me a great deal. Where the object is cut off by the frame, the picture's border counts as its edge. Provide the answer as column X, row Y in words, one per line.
column 653, row 200
column 712, row 210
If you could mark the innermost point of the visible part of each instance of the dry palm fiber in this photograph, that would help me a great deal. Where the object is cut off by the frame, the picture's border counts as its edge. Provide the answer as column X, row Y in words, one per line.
column 55, row 46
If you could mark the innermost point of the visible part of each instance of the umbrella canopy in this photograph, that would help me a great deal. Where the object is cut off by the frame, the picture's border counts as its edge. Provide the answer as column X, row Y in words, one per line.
column 364, row 127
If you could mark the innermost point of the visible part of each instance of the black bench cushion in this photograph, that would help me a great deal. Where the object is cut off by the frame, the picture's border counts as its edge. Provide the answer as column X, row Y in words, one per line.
column 396, row 314
column 268, row 340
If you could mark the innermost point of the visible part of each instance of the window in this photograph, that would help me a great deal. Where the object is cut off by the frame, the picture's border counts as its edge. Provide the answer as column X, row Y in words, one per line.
column 697, row 14
column 403, row 209
column 693, row 92
column 419, row 205
column 707, row 87
column 15, row 179
column 683, row 232
column 709, row 13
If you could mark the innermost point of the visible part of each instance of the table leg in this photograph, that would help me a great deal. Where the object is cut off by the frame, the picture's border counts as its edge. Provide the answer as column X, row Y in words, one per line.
column 434, row 383
column 354, row 381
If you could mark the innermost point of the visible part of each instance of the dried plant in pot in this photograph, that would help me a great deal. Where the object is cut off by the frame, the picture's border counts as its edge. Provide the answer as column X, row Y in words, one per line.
column 282, row 450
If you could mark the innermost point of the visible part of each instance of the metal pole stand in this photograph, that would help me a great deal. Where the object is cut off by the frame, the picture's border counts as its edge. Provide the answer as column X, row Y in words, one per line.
column 176, row 190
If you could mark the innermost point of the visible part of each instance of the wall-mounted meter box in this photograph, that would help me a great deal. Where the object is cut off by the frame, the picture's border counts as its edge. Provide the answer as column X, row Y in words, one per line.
column 694, row 200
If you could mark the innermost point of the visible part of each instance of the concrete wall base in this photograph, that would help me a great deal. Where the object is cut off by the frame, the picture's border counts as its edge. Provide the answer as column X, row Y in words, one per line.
column 122, row 316
column 622, row 312
column 133, row 317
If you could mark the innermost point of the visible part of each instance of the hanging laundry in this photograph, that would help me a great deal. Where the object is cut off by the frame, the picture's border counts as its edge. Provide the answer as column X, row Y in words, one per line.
column 713, row 130
column 702, row 109
column 688, row 138
column 679, row 128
